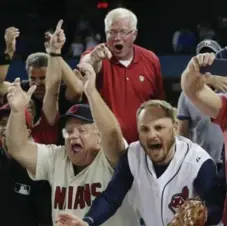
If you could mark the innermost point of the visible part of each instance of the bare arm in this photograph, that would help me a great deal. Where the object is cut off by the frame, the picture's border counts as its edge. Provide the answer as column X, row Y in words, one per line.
column 74, row 85
column 53, row 80
column 108, row 126
column 106, row 122
column 17, row 142
column 193, row 84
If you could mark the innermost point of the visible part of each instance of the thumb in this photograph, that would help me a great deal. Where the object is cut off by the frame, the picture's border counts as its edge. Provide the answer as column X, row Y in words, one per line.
column 17, row 81
column 31, row 90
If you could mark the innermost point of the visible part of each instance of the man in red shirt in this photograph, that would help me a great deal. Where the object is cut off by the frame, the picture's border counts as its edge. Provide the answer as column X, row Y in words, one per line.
column 128, row 74
column 205, row 99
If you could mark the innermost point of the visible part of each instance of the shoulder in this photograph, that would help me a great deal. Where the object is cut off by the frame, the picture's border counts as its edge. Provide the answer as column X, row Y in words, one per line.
column 147, row 54
column 51, row 150
column 135, row 153
column 195, row 154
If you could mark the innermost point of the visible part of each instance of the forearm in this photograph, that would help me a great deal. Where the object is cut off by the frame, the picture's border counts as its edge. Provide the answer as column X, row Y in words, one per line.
column 105, row 120
column 16, row 132
column 97, row 65
column 53, row 81
column 205, row 99
column 73, row 83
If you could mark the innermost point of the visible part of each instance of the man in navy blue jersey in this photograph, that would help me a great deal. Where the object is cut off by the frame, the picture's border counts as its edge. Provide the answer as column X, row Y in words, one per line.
column 159, row 172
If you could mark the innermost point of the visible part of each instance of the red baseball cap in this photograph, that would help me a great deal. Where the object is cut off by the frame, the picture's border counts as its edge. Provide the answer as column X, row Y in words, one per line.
column 5, row 111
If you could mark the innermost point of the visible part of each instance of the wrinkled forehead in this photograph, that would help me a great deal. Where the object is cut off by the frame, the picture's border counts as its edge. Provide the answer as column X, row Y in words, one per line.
column 120, row 24
column 152, row 114
column 75, row 123
column 37, row 72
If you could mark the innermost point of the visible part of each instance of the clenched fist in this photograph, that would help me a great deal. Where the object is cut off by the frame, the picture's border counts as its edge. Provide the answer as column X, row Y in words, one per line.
column 10, row 36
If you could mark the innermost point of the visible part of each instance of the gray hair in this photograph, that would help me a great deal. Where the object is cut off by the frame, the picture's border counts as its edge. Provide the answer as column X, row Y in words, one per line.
column 37, row 60
column 120, row 13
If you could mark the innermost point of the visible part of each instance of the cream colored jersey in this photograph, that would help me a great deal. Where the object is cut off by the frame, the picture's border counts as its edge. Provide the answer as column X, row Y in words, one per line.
column 75, row 193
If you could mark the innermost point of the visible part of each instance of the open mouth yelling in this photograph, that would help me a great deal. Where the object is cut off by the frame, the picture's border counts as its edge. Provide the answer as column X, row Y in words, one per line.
column 155, row 147
column 118, row 47
column 76, row 148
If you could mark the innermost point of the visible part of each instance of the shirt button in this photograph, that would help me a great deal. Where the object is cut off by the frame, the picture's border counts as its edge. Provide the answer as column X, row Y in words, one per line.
column 127, row 78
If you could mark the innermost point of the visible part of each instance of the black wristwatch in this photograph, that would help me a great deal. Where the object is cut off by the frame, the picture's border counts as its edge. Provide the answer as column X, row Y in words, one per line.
column 55, row 54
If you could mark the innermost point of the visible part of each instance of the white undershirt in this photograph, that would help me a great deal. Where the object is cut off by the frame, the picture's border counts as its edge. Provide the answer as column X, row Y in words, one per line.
column 126, row 62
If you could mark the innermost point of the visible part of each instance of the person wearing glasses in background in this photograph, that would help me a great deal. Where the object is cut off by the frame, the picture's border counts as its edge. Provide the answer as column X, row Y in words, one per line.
column 127, row 74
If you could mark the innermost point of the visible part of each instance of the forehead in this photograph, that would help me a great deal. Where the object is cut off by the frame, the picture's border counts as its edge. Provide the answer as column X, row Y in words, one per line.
column 37, row 72
column 121, row 23
column 153, row 114
column 73, row 122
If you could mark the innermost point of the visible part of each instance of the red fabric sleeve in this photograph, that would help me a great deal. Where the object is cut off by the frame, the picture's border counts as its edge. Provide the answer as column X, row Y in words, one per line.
column 221, row 119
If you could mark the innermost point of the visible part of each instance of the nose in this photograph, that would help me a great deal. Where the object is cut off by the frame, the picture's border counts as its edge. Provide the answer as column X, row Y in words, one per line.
column 74, row 135
column 152, row 134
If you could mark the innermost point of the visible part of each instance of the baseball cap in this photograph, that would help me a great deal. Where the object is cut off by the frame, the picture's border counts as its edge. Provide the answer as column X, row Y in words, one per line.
column 79, row 111
column 209, row 45
column 5, row 111
column 222, row 54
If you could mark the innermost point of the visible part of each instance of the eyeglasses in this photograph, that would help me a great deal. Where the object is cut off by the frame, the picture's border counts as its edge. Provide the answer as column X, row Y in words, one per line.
column 122, row 33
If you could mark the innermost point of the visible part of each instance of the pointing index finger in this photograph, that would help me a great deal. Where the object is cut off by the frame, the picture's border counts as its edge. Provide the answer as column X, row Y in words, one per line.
column 59, row 24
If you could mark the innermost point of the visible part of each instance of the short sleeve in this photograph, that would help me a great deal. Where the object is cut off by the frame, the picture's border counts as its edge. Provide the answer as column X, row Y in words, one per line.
column 221, row 119
column 182, row 108
column 46, row 157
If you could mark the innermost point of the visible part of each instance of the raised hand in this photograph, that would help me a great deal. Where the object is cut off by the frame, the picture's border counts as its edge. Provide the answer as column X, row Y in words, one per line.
column 89, row 77
column 66, row 219
column 100, row 52
column 54, row 42
column 10, row 36
column 17, row 98
column 191, row 77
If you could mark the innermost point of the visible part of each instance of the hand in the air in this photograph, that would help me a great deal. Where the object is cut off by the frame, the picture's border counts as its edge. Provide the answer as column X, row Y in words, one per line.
column 17, row 98
column 191, row 76
column 54, row 42
column 89, row 77
column 100, row 52
column 10, row 36
column 66, row 219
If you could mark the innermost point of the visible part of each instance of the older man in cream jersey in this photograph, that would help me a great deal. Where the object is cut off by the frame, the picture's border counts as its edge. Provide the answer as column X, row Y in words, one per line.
column 81, row 169
column 161, row 171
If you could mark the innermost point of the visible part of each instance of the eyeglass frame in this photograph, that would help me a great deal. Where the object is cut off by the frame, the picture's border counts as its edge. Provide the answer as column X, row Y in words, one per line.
column 122, row 33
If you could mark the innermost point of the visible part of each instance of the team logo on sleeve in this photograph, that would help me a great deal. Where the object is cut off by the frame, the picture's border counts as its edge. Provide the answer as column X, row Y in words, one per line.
column 22, row 189
column 178, row 199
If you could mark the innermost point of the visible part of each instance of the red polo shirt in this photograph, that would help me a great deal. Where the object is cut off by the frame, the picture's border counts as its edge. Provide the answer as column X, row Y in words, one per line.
column 124, row 89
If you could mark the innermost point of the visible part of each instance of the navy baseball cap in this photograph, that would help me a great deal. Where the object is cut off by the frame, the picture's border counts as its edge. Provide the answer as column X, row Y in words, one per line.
column 79, row 111
column 208, row 45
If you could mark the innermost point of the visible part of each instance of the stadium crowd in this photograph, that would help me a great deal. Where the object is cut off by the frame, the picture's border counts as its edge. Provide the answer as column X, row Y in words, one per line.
column 99, row 145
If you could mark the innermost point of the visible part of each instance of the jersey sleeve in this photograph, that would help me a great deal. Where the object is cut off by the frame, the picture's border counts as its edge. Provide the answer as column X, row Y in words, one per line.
column 211, row 190
column 46, row 156
column 111, row 199
column 221, row 119
column 182, row 108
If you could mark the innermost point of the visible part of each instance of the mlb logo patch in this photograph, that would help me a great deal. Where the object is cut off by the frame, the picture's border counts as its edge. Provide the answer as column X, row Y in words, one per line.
column 22, row 189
